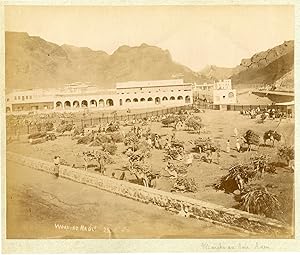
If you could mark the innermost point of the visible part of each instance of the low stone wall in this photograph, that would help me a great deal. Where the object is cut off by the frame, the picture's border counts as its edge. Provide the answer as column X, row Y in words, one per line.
column 173, row 202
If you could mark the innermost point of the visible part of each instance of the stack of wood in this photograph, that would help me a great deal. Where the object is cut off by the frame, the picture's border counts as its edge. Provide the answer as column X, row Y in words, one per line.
column 251, row 137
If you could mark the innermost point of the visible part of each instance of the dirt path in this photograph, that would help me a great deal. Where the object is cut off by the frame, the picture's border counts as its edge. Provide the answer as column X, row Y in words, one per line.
column 41, row 206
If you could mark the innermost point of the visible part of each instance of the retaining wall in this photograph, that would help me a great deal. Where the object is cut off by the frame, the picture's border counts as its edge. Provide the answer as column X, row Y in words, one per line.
column 198, row 209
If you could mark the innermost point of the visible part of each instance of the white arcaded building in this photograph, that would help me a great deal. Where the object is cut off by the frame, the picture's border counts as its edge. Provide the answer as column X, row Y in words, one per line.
column 76, row 96
column 220, row 93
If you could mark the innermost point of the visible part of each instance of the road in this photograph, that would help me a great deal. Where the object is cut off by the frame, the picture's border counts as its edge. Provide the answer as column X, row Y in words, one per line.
column 41, row 206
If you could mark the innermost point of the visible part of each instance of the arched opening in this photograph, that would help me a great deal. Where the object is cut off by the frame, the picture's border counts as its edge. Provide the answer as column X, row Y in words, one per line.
column 93, row 103
column 172, row 98
column 58, row 104
column 127, row 100
column 84, row 103
column 150, row 99
column 67, row 104
column 142, row 99
column 121, row 101
column 180, row 98
column 187, row 99
column 165, row 99
column 135, row 100
column 101, row 103
column 7, row 109
column 109, row 102
column 157, row 100
column 76, row 104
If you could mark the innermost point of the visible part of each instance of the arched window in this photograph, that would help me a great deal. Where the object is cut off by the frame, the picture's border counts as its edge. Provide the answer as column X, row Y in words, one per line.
column 84, row 103
column 165, row 99
column 157, row 100
column 76, row 104
column 128, row 100
column 172, row 98
column 93, row 103
column 142, row 99
column 187, row 99
column 58, row 104
column 180, row 98
column 150, row 99
column 135, row 100
column 67, row 104
column 109, row 102
column 101, row 103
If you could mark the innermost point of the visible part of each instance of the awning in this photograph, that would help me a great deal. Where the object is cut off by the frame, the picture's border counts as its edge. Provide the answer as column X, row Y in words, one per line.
column 286, row 103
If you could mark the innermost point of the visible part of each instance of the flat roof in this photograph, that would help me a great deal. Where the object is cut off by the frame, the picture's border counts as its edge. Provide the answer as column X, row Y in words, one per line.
column 281, row 93
column 154, row 83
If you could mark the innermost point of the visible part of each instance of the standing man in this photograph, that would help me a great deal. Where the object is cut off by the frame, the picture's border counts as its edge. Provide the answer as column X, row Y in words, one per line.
column 228, row 146
column 235, row 132
column 238, row 145
column 56, row 161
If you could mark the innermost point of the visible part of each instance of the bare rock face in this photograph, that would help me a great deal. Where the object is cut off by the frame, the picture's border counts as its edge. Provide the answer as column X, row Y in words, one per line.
column 266, row 67
column 262, row 59
column 216, row 73
column 32, row 62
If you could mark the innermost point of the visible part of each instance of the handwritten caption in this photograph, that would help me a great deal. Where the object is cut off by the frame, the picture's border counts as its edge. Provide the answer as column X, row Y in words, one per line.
column 237, row 246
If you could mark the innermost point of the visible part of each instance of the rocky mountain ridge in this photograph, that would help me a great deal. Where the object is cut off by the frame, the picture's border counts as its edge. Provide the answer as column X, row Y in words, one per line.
column 32, row 62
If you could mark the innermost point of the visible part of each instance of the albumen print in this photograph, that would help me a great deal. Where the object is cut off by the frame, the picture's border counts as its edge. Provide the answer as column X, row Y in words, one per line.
column 149, row 122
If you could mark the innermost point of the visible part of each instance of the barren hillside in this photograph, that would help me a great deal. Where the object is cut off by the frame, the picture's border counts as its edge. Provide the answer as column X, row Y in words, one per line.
column 32, row 62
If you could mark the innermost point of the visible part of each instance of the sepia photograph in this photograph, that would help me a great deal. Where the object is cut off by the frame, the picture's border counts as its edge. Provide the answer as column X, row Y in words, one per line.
column 149, row 122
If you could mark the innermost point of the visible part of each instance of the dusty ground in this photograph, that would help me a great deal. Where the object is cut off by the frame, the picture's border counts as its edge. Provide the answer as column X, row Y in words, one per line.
column 39, row 211
column 220, row 125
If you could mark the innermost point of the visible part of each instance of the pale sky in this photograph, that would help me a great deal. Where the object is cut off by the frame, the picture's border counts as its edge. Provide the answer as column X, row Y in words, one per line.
column 194, row 35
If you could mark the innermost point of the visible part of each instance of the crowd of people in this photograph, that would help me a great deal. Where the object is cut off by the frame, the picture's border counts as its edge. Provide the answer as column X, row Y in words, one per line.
column 265, row 113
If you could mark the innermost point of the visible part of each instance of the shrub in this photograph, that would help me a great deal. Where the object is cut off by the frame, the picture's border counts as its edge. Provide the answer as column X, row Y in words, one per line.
column 194, row 122
column 261, row 164
column 37, row 135
column 102, row 157
column 169, row 120
column 117, row 137
column 78, row 131
column 260, row 201
column 131, row 139
column 38, row 127
column 175, row 153
column 143, row 146
column 237, row 177
column 142, row 171
column 204, row 144
column 64, row 127
column 286, row 153
column 85, row 139
column 49, row 126
column 111, row 148
column 113, row 127
column 185, row 185
column 50, row 137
